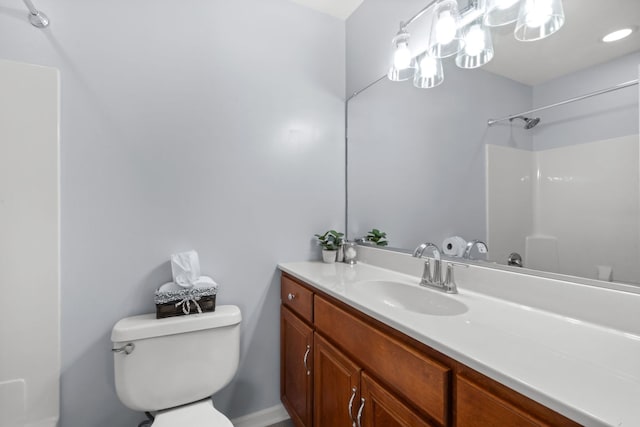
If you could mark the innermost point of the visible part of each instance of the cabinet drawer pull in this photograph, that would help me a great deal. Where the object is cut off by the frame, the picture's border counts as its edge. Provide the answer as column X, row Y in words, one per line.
column 291, row 296
column 360, row 412
column 306, row 356
column 353, row 396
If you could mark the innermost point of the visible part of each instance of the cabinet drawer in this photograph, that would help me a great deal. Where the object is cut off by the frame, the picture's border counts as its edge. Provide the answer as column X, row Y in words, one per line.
column 410, row 374
column 297, row 298
column 481, row 402
column 476, row 407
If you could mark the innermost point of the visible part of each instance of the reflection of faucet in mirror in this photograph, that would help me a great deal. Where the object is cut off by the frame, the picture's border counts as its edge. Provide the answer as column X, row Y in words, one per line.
column 515, row 260
column 482, row 248
column 417, row 253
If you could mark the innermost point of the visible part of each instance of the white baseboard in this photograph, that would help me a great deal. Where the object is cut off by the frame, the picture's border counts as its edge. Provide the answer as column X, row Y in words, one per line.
column 263, row 418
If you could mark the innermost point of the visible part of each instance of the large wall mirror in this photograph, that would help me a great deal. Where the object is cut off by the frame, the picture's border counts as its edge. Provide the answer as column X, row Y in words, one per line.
column 423, row 164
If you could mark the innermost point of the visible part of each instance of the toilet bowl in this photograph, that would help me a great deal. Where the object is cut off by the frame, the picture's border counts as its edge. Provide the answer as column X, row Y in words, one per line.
column 170, row 367
column 199, row 414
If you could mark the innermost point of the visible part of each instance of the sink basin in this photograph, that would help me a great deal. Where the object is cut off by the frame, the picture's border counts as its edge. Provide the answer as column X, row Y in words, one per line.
column 406, row 297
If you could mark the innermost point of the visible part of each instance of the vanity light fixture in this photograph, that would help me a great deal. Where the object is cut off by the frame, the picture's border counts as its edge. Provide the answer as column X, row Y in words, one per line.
column 501, row 12
column 617, row 35
column 539, row 19
column 478, row 47
column 403, row 65
column 429, row 73
column 445, row 39
column 468, row 36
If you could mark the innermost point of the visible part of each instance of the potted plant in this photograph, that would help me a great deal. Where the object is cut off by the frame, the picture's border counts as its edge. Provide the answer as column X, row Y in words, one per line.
column 330, row 242
column 377, row 237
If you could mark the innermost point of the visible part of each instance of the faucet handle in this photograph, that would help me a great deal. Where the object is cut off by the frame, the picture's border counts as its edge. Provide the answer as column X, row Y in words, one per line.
column 427, row 278
column 449, row 284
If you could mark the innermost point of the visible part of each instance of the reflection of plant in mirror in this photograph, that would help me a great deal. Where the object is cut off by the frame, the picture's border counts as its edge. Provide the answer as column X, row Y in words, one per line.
column 331, row 240
column 378, row 237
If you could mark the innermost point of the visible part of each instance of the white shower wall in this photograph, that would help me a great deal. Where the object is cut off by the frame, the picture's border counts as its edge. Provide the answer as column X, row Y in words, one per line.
column 510, row 218
column 29, row 246
column 592, row 186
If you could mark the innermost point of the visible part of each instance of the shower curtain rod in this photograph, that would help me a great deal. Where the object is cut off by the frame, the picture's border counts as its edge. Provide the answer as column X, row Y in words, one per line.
column 492, row 122
column 37, row 18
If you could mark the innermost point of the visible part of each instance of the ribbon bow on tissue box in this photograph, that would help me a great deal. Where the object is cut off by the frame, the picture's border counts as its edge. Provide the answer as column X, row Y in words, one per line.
column 189, row 292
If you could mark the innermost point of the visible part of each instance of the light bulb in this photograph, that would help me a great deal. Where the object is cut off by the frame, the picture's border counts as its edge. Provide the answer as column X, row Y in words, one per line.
column 402, row 56
column 474, row 40
column 428, row 67
column 538, row 13
column 445, row 28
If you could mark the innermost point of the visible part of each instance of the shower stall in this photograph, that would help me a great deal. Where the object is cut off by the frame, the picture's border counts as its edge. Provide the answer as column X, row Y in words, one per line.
column 29, row 246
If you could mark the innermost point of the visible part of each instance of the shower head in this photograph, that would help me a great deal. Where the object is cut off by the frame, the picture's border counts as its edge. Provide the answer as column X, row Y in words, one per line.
column 37, row 18
column 528, row 122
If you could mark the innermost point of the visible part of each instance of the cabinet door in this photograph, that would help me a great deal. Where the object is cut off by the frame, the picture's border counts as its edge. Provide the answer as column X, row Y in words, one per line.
column 336, row 386
column 382, row 409
column 296, row 381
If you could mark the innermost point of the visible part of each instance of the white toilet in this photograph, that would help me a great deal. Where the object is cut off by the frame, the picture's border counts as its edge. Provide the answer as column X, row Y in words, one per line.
column 170, row 367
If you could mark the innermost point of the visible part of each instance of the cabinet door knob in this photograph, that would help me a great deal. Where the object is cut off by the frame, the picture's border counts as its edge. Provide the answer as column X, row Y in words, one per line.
column 291, row 296
column 360, row 412
column 306, row 355
column 353, row 396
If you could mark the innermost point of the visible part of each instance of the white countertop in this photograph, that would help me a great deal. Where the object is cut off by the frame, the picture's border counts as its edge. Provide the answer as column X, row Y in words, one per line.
column 587, row 372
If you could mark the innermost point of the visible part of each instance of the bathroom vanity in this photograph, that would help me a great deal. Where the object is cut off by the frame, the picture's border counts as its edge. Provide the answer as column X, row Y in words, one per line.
column 366, row 346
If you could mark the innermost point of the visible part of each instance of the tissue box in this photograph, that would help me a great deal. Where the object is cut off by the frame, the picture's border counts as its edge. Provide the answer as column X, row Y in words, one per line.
column 173, row 302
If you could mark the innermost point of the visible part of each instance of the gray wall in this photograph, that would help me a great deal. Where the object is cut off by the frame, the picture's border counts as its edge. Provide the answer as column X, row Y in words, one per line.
column 213, row 125
column 605, row 116
column 416, row 156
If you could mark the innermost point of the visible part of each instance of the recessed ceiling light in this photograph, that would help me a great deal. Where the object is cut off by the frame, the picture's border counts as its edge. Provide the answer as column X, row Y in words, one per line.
column 617, row 35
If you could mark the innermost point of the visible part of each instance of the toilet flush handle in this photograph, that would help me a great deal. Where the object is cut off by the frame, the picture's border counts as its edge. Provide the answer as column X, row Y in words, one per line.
column 126, row 349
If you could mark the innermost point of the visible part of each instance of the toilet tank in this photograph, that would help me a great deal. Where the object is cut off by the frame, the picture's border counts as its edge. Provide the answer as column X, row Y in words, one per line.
column 176, row 360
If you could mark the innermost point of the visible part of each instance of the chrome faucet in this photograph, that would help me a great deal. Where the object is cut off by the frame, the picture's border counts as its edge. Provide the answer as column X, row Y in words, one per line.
column 428, row 278
column 434, row 280
column 482, row 248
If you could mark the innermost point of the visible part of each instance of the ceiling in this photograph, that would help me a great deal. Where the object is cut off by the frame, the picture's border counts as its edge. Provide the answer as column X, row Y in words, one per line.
column 339, row 8
column 576, row 46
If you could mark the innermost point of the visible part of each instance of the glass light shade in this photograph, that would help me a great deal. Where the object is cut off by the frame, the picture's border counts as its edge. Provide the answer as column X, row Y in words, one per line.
column 403, row 66
column 478, row 46
column 429, row 73
column 539, row 19
column 501, row 12
column 445, row 39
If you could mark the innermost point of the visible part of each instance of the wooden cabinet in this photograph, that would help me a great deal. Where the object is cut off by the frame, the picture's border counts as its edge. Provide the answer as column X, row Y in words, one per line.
column 336, row 388
column 296, row 364
column 346, row 396
column 380, row 408
column 482, row 402
column 361, row 366
column 479, row 408
column 417, row 378
column 298, row 298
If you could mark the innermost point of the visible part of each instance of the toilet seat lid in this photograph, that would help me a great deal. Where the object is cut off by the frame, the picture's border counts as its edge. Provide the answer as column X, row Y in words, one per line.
column 199, row 414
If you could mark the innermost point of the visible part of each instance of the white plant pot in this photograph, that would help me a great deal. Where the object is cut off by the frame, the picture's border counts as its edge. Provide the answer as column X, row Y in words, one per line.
column 329, row 256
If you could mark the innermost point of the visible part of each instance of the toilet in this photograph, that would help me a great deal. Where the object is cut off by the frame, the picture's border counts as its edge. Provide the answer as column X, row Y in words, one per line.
column 170, row 367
